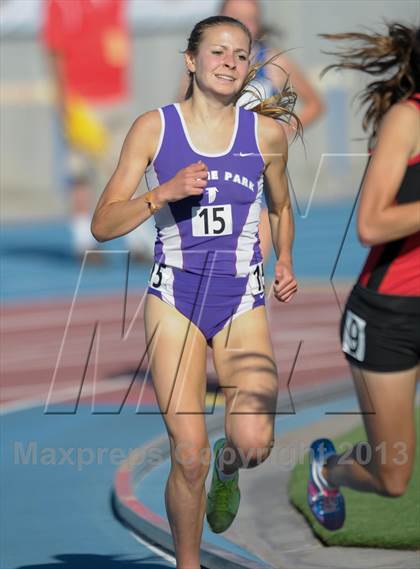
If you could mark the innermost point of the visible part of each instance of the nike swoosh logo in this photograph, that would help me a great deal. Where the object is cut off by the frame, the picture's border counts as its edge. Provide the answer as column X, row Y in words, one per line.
column 243, row 154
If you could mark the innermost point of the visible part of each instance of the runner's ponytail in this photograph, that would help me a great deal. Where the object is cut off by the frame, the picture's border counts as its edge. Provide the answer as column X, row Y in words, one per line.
column 279, row 106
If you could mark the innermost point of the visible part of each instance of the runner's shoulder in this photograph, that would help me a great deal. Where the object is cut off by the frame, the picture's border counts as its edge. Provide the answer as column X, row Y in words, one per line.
column 149, row 122
column 146, row 130
column 271, row 135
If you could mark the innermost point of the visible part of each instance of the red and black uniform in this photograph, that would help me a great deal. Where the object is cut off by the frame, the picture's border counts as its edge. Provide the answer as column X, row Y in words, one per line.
column 380, row 328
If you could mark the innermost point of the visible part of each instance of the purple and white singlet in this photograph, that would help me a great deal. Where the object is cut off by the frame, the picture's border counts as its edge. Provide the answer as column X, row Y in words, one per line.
column 207, row 254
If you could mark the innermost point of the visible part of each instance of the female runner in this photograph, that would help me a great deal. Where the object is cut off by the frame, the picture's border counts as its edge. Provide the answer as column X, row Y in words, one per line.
column 204, row 160
column 380, row 326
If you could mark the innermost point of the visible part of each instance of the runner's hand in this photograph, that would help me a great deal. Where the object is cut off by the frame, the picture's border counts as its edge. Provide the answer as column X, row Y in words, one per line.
column 189, row 181
column 285, row 285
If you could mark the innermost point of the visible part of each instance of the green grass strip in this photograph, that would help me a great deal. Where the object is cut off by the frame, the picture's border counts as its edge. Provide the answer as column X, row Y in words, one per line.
column 371, row 520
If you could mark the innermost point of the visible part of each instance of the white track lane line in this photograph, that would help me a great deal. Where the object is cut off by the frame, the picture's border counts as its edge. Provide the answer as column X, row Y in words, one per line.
column 155, row 550
column 60, row 396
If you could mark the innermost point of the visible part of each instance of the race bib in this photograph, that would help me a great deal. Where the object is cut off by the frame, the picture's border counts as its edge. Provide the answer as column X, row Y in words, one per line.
column 256, row 279
column 354, row 338
column 211, row 220
column 159, row 275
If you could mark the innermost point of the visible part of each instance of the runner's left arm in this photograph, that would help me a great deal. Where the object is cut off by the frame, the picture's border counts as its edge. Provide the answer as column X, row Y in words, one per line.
column 274, row 148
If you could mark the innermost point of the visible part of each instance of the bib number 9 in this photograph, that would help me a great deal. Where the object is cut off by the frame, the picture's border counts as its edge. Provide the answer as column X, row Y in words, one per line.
column 212, row 220
column 354, row 338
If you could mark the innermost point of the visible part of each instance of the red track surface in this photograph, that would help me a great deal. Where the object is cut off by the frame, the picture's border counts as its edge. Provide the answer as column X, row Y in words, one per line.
column 34, row 333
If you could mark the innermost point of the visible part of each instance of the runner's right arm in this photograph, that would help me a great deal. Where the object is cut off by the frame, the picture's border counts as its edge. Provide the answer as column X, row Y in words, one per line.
column 117, row 213
column 379, row 219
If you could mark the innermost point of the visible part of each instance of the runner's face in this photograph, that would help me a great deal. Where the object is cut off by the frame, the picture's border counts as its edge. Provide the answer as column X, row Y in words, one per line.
column 222, row 62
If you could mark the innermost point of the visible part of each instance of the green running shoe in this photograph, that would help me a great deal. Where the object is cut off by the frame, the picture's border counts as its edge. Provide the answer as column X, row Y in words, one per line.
column 223, row 498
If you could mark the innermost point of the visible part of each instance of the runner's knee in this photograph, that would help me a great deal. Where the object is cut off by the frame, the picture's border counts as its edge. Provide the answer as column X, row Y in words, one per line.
column 191, row 458
column 393, row 482
column 254, row 447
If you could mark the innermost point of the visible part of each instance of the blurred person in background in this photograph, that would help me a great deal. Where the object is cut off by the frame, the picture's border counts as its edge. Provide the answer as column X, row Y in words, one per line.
column 269, row 79
column 380, row 327
column 88, row 45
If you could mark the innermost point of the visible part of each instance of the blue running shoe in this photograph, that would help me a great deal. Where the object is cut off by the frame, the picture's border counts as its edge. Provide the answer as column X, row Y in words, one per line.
column 326, row 502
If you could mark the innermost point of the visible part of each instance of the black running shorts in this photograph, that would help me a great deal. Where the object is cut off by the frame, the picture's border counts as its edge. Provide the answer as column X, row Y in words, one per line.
column 381, row 332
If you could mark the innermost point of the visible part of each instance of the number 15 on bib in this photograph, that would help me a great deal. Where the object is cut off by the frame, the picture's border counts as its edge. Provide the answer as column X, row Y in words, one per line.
column 212, row 220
